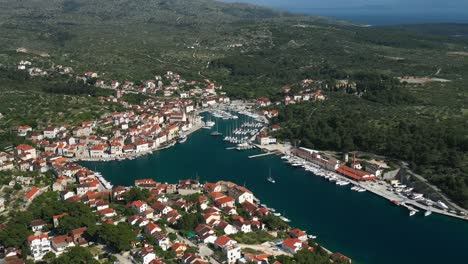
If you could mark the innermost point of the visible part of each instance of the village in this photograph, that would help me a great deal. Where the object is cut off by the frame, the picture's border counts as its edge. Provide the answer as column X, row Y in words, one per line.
column 48, row 164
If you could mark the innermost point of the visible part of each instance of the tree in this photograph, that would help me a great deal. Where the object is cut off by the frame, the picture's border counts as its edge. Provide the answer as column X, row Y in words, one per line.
column 118, row 237
column 76, row 255
column 137, row 194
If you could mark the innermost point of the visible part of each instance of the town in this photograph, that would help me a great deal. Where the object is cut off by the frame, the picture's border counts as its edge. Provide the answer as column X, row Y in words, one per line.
column 216, row 222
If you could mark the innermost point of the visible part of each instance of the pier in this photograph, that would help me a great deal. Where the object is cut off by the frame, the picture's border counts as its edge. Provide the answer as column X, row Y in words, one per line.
column 261, row 155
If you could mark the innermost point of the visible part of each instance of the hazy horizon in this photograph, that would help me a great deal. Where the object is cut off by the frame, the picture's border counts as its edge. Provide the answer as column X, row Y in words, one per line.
column 376, row 12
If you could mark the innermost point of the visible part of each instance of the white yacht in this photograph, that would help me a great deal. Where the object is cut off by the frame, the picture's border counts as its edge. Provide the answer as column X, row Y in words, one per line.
column 412, row 212
column 428, row 213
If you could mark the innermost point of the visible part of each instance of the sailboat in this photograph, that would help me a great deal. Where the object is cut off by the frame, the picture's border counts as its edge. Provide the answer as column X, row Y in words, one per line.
column 270, row 179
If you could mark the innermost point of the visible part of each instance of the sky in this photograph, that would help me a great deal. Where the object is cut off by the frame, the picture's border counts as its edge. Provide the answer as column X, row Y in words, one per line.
column 376, row 11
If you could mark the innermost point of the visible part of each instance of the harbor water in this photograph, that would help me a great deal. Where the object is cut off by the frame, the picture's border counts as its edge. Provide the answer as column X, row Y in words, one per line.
column 365, row 227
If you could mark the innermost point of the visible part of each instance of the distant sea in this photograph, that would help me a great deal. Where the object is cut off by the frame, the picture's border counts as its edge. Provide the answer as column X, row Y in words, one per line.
column 384, row 19
column 376, row 15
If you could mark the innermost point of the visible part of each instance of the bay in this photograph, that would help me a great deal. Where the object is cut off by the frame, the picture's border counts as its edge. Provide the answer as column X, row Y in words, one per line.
column 363, row 226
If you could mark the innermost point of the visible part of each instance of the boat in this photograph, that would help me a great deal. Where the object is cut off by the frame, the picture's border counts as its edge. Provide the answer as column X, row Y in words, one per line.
column 270, row 179
column 412, row 212
column 276, row 214
column 311, row 237
column 182, row 139
column 442, row 205
column 285, row 219
column 428, row 213
column 216, row 133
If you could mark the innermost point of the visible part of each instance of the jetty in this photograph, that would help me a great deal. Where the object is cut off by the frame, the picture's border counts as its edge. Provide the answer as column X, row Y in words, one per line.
column 261, row 155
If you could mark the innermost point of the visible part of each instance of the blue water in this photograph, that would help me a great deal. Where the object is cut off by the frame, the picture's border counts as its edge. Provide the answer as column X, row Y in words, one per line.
column 363, row 226
column 376, row 12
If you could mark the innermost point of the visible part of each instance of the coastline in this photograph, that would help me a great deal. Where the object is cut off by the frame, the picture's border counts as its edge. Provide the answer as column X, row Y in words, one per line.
column 129, row 156
column 378, row 189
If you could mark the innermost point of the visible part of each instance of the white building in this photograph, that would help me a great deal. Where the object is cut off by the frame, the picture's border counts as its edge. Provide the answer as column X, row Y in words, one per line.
column 39, row 245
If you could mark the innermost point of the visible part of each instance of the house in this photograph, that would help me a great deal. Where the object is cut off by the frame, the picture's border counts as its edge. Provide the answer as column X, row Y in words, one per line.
column 50, row 132
column 162, row 240
column 241, row 194
column 145, row 255
column 292, row 245
column 97, row 151
column 151, row 228
column 212, row 187
column 33, row 193
column 22, row 131
column 299, row 234
column 139, row 206
column 161, row 208
column 179, row 249
column 39, row 245
column 227, row 201
column 37, row 225
column 242, row 225
column 224, row 241
column 192, row 258
column 146, row 183
column 205, row 233
column 229, row 248
column 25, row 150
column 227, row 228
column 60, row 243
column 256, row 259
column 101, row 205
column 262, row 102
column 108, row 212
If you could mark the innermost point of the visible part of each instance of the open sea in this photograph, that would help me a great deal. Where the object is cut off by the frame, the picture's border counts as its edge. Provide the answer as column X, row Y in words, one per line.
column 365, row 227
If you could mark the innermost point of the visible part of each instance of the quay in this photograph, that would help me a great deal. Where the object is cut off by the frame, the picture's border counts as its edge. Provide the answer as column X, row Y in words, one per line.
column 262, row 155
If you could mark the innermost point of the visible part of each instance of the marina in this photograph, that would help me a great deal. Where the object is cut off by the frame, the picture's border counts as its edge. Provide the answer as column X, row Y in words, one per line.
column 310, row 201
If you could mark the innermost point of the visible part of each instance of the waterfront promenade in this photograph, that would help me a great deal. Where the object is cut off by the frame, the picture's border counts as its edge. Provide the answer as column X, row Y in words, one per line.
column 379, row 188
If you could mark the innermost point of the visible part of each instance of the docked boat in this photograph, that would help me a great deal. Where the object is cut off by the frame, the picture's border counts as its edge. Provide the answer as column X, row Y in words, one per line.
column 428, row 213
column 412, row 212
column 276, row 214
column 285, row 219
column 311, row 237
column 182, row 139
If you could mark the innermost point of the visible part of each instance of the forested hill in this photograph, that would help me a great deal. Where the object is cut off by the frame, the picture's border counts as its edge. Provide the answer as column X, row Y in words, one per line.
column 167, row 11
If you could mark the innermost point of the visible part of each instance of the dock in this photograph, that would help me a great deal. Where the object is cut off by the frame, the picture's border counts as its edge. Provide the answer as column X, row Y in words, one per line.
column 261, row 155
